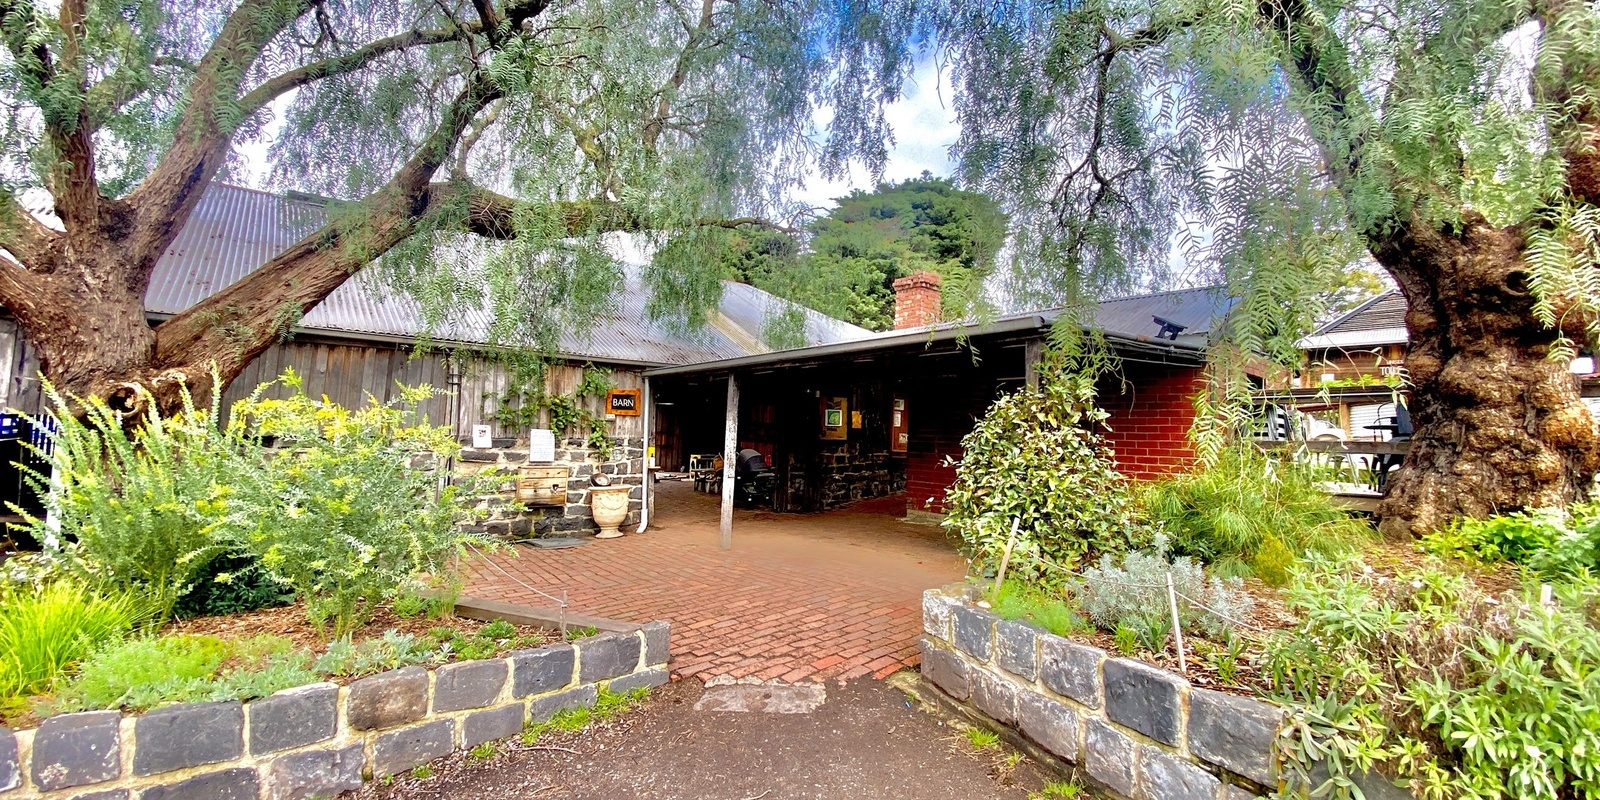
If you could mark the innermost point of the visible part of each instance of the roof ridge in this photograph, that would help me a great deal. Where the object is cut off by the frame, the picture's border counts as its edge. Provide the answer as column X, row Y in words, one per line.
column 1348, row 315
column 1158, row 294
column 281, row 196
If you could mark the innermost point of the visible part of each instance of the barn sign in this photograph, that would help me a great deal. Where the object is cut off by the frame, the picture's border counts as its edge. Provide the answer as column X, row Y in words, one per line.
column 623, row 402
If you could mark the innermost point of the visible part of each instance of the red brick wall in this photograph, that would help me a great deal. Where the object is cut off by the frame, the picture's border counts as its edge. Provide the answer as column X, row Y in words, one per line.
column 916, row 300
column 1150, row 418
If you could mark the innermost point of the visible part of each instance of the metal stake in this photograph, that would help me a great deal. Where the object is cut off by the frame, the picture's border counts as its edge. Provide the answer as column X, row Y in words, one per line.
column 1005, row 557
column 1177, row 629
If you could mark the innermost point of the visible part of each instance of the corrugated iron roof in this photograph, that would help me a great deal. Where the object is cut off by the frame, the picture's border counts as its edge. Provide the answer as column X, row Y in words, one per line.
column 1133, row 317
column 1387, row 310
column 235, row 230
column 1199, row 311
column 1381, row 320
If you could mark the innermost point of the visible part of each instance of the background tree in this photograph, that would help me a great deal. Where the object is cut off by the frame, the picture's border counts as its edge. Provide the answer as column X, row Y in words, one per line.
column 1354, row 286
column 543, row 124
column 857, row 250
column 1455, row 141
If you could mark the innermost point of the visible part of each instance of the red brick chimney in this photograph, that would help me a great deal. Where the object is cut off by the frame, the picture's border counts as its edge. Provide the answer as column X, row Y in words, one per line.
column 916, row 300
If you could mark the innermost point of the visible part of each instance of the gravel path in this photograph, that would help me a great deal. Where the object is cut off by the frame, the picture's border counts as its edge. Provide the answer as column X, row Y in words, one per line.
column 864, row 741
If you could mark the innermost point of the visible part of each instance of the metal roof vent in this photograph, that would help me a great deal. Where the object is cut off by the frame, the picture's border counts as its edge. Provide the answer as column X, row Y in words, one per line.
column 1169, row 329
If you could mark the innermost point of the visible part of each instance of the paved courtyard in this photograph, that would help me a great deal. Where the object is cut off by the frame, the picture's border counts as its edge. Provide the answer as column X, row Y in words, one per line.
column 799, row 597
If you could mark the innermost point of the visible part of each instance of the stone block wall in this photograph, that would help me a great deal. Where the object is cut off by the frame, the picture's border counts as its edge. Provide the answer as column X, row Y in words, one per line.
column 322, row 739
column 509, row 518
column 1136, row 731
column 844, row 472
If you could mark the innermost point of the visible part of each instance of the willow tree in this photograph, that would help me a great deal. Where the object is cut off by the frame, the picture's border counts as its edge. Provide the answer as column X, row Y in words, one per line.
column 541, row 124
column 1454, row 142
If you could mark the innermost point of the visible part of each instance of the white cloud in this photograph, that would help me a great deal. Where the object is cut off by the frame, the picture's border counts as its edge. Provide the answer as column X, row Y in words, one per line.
column 924, row 128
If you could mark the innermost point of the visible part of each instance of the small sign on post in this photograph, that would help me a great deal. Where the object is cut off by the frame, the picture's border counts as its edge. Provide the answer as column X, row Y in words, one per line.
column 482, row 437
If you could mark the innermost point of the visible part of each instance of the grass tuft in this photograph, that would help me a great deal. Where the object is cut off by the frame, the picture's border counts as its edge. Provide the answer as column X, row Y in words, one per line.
column 981, row 739
column 43, row 634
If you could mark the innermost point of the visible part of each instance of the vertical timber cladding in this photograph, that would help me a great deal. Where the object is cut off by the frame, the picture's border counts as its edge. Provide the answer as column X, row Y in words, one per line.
column 348, row 372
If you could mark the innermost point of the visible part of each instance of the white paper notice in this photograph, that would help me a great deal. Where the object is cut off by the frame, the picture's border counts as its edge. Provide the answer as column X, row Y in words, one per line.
column 481, row 439
column 541, row 445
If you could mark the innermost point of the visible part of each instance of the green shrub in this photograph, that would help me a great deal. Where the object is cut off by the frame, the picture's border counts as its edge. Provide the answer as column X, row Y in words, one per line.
column 1424, row 678
column 1133, row 594
column 1034, row 459
column 231, row 584
column 392, row 651
column 148, row 505
column 1251, row 513
column 409, row 606
column 1554, row 543
column 349, row 516
column 44, row 633
column 346, row 513
column 143, row 673
column 499, row 629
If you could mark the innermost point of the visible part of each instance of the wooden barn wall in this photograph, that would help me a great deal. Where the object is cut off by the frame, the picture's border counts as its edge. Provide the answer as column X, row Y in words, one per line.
column 348, row 373
column 20, row 362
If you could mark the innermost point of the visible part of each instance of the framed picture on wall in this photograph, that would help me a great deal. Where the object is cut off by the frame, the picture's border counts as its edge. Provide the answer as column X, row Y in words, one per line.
column 835, row 410
column 899, row 428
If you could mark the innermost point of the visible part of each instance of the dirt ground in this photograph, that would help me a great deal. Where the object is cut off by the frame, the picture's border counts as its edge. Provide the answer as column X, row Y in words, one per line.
column 865, row 741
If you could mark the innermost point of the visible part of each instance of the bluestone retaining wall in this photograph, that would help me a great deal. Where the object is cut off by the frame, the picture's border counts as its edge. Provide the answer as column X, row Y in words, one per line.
column 1136, row 731
column 322, row 739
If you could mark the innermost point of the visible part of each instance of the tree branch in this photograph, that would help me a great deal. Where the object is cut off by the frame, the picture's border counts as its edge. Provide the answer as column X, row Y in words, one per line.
column 72, row 172
column 19, row 288
column 1314, row 56
column 259, row 97
column 491, row 214
column 299, row 278
column 23, row 236
column 166, row 198
column 680, row 73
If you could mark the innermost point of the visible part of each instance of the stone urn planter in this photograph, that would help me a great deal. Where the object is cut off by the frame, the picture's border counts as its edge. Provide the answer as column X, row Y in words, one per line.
column 609, row 504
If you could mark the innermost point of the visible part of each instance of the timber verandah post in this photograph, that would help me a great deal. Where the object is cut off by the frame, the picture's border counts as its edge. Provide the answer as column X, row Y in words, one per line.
column 730, row 449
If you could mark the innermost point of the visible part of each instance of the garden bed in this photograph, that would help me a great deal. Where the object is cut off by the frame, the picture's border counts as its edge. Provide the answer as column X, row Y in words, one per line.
column 251, row 654
column 290, row 622
column 318, row 739
column 1234, row 664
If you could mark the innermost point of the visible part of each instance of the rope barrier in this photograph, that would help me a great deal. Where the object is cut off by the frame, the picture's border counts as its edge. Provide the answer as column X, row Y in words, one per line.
column 561, row 602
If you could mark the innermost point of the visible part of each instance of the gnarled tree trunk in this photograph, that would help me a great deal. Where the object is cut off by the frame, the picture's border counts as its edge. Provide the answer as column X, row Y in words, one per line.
column 1499, row 426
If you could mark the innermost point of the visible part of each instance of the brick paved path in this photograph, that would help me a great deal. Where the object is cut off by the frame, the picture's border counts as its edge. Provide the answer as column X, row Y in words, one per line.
column 816, row 596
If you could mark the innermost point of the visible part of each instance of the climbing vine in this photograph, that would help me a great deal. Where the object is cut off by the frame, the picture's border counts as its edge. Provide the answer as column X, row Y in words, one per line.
column 526, row 395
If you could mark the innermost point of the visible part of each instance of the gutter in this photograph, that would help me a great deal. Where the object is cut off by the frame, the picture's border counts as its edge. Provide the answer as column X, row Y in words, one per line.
column 1029, row 322
column 1020, row 324
column 339, row 334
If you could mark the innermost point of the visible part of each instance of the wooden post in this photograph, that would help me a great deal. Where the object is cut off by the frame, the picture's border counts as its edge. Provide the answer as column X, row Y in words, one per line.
column 1177, row 627
column 1032, row 354
column 1005, row 558
column 730, row 449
